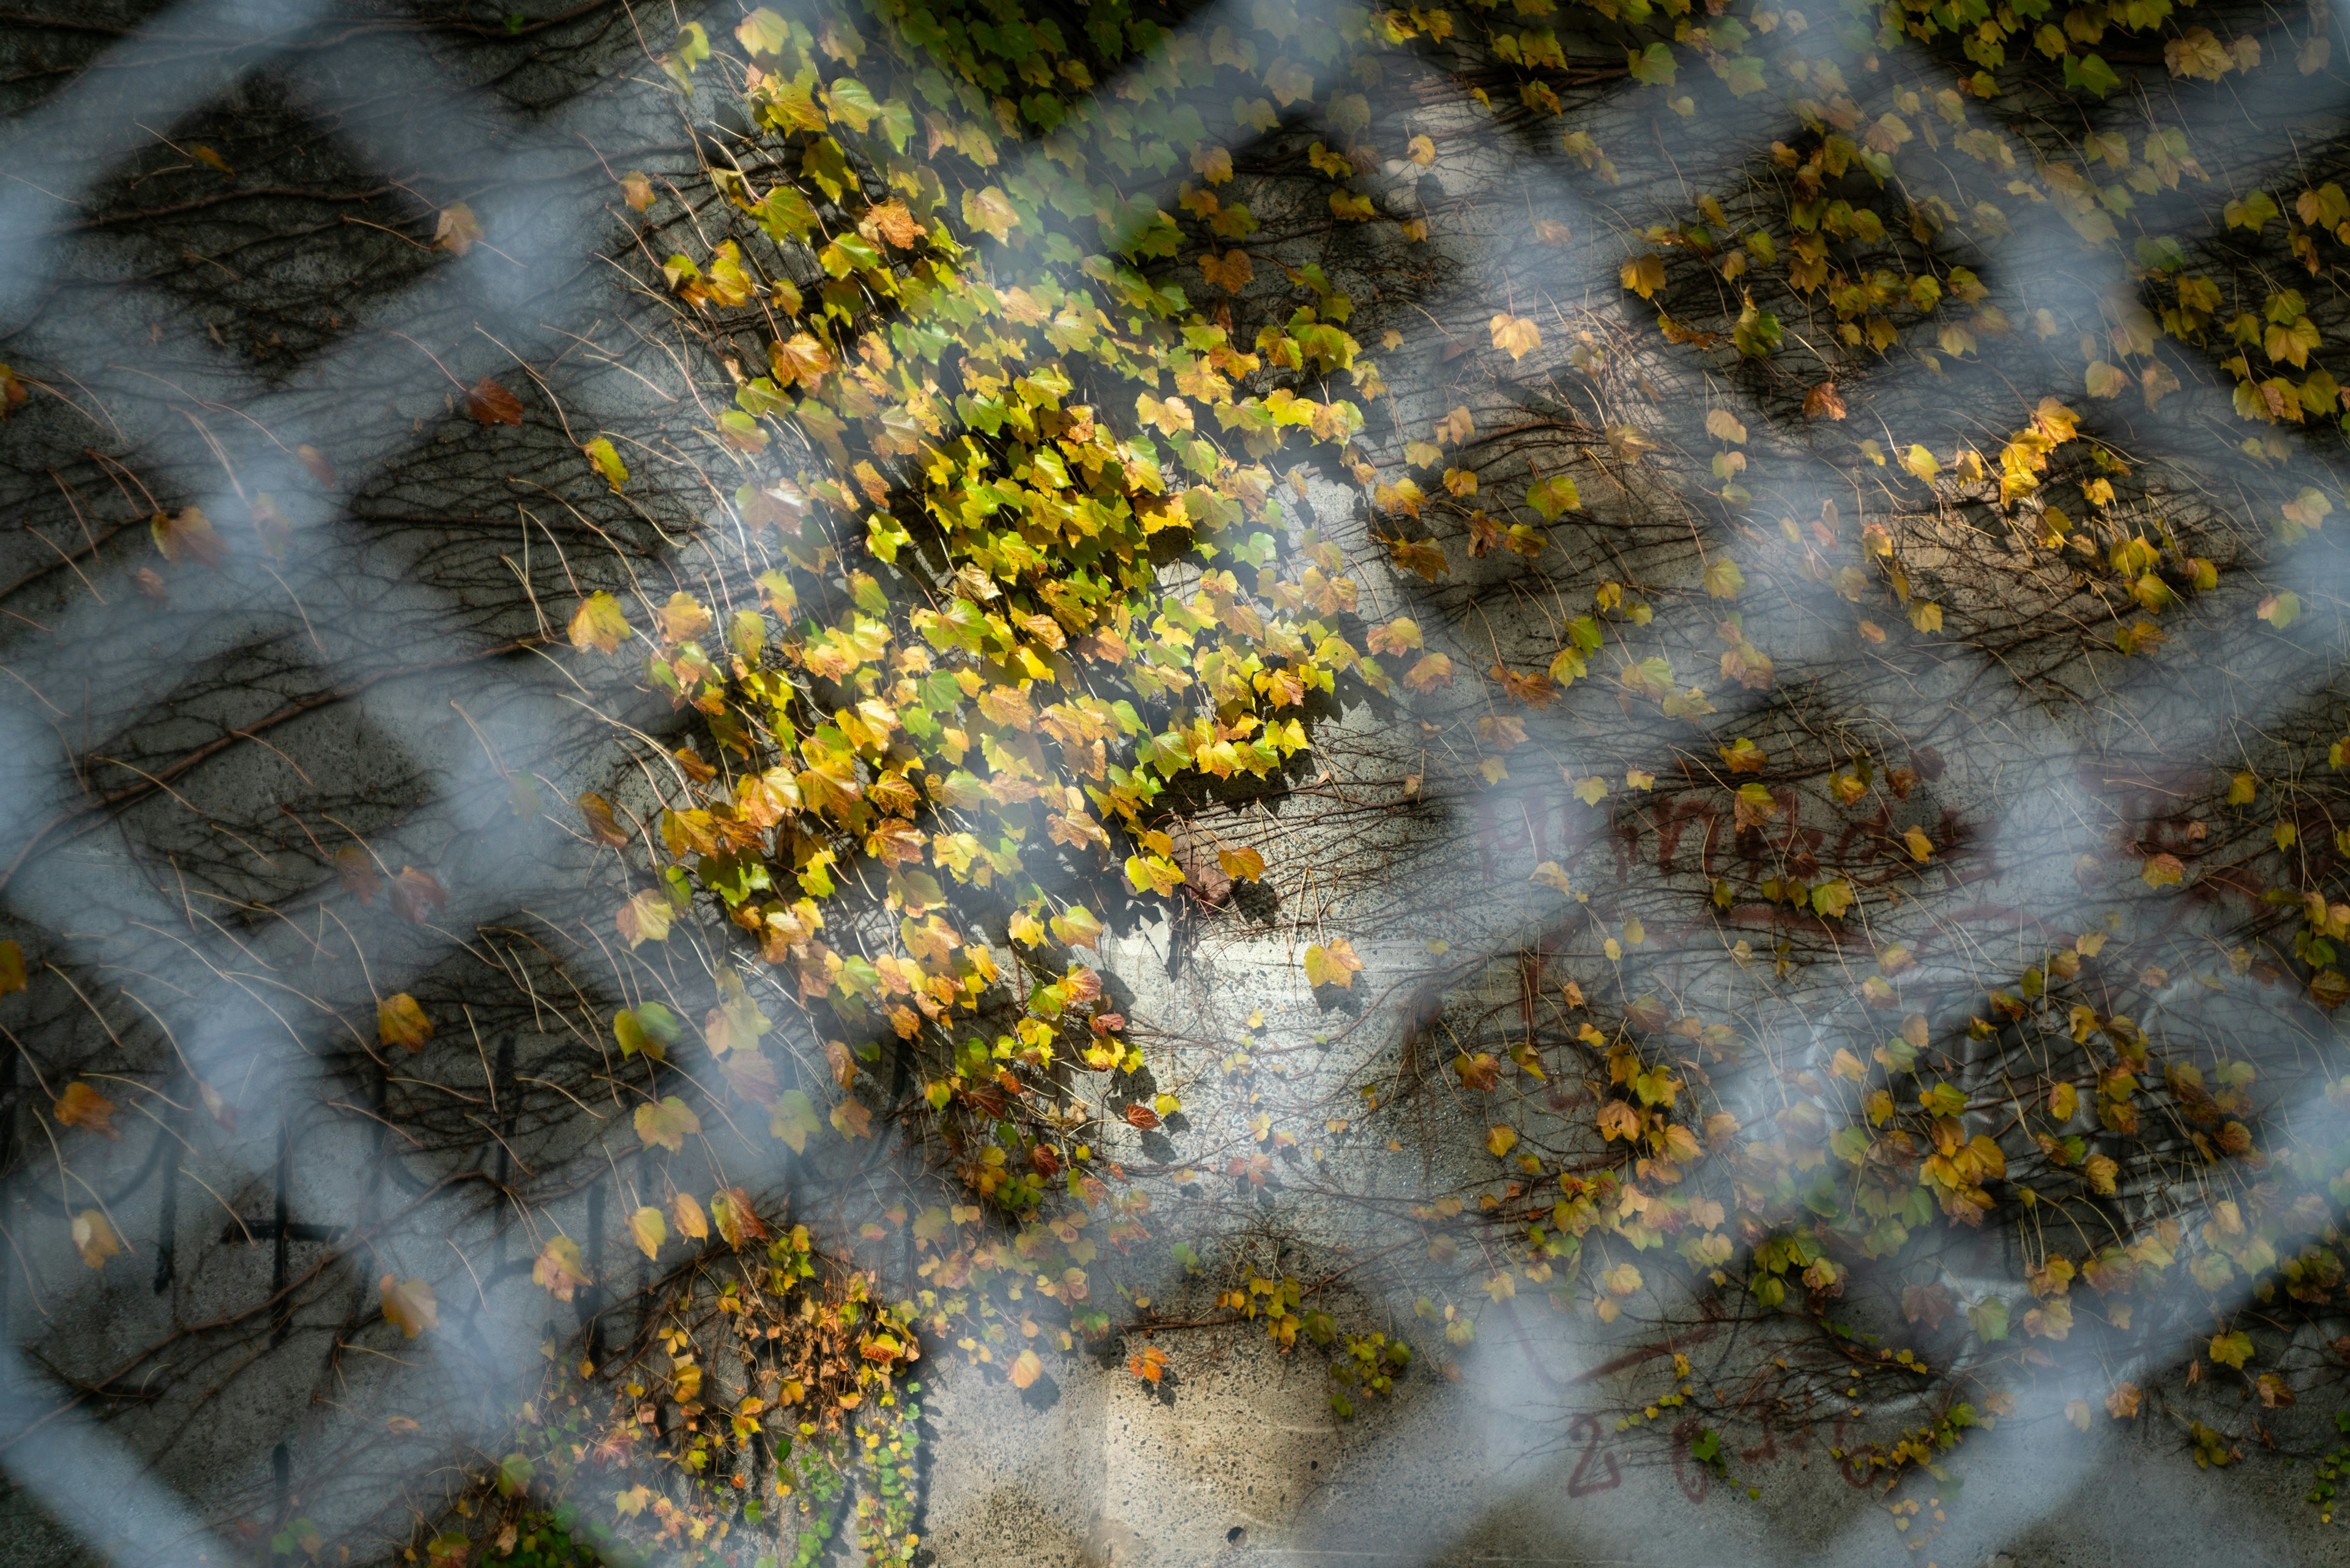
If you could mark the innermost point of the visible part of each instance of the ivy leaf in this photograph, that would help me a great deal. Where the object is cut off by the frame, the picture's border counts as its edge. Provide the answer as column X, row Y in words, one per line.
column 651, row 1028
column 408, row 1305
column 1025, row 1369
column 414, row 894
column 559, row 1268
column 1078, row 927
column 2231, row 1349
column 649, row 1230
column 599, row 623
column 1335, row 964
column 2163, row 871
column 606, row 459
column 1654, row 65
column 94, row 1238
column 1516, row 334
column 794, row 1120
column 1644, row 276
column 1988, row 1318
column 398, row 1020
column 2280, row 610
column 1231, row 272
column 1723, row 425
column 83, row 1107
column 637, row 190
column 12, row 968
column 458, row 229
column 514, row 1474
column 989, row 212
column 356, row 869
column 1153, row 873
column 1756, row 335
column 667, row 1125
column 490, row 404
column 1500, row 1140
column 1242, row 865
column 1722, row 579
column 686, row 1210
column 785, row 214
column 737, row 1221
column 190, row 536
column 1553, row 496
column 645, row 917
column 762, row 32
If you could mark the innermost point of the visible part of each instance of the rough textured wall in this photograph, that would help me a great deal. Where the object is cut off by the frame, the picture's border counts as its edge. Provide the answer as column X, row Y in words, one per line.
column 366, row 666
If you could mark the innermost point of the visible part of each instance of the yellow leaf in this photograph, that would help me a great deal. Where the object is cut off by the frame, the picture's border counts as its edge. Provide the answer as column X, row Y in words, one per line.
column 409, row 1305
column 2163, row 871
column 1516, row 334
column 560, row 1269
column 1335, row 964
column 686, row 1210
column 599, row 623
column 1241, row 864
column 1498, row 1141
column 649, row 1230
column 606, row 459
column 645, row 917
column 398, row 1020
column 12, row 968
column 1622, row 1280
column 1644, row 275
column 1921, row 848
column 667, row 1125
column 1026, row 1369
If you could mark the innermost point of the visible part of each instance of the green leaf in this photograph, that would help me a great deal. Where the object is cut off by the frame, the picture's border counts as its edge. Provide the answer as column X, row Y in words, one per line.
column 1553, row 496
column 763, row 33
column 794, row 1120
column 1654, row 65
column 667, row 1125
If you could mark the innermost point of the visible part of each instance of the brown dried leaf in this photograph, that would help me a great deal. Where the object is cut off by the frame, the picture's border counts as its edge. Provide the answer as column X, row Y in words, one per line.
column 492, row 404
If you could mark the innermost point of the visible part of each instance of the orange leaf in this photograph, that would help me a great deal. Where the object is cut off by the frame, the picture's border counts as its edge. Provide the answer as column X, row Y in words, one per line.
column 1231, row 271
column 409, row 1305
column 83, row 1107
